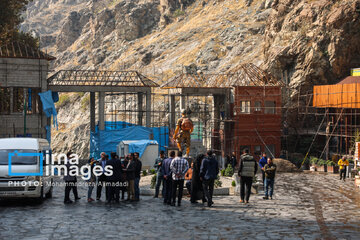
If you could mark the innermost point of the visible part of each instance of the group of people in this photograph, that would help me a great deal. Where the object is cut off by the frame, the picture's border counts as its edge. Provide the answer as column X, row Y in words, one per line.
column 173, row 171
column 125, row 178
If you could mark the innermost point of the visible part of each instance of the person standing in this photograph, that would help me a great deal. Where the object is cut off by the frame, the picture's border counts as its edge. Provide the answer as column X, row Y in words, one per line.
column 167, row 177
column 130, row 176
column 196, row 183
column 92, row 179
column 247, row 170
column 343, row 163
column 138, row 166
column 70, row 183
column 159, row 174
column 102, row 177
column 115, row 179
column 179, row 167
column 270, row 170
column 188, row 178
column 233, row 160
column 263, row 161
column 208, row 173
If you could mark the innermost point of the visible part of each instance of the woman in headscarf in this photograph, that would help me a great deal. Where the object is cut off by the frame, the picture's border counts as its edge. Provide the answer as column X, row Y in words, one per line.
column 196, row 184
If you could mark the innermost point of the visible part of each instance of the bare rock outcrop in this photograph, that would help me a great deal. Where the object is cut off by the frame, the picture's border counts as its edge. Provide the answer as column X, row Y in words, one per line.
column 315, row 42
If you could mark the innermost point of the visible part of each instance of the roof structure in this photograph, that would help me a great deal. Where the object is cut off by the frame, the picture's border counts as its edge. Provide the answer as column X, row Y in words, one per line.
column 22, row 50
column 349, row 80
column 244, row 75
column 92, row 79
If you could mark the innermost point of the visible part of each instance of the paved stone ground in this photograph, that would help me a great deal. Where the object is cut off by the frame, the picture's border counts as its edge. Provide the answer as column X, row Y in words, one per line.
column 306, row 206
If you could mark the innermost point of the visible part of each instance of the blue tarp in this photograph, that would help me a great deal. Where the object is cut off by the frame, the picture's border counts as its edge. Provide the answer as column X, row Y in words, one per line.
column 140, row 146
column 115, row 132
column 49, row 106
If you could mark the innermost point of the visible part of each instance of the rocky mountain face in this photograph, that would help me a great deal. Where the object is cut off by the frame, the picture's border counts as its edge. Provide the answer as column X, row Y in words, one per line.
column 303, row 42
column 315, row 42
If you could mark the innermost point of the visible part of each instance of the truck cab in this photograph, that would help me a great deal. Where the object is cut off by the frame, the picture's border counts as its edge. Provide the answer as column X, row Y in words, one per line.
column 24, row 178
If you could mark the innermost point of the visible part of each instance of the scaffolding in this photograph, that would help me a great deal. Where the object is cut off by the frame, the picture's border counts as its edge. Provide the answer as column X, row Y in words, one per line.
column 338, row 104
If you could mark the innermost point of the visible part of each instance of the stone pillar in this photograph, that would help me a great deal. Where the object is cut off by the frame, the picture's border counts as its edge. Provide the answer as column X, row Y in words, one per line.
column 172, row 120
column 101, row 110
column 92, row 111
column 148, row 108
column 140, row 108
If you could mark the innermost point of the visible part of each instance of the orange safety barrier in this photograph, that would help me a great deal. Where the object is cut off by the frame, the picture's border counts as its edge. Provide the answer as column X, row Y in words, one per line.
column 337, row 96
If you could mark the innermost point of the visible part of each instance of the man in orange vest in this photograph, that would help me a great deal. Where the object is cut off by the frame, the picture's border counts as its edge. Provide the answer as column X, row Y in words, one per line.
column 184, row 128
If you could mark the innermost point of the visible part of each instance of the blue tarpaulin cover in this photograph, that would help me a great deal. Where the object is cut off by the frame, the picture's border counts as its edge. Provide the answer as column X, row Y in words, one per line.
column 115, row 132
column 49, row 106
column 140, row 146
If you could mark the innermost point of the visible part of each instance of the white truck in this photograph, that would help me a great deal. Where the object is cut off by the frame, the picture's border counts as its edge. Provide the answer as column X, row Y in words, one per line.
column 23, row 178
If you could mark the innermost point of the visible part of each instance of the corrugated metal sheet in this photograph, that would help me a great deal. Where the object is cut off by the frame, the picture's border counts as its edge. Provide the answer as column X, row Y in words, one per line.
column 337, row 96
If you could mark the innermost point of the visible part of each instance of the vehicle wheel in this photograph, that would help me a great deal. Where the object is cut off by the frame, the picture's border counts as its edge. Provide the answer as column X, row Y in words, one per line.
column 49, row 193
column 41, row 198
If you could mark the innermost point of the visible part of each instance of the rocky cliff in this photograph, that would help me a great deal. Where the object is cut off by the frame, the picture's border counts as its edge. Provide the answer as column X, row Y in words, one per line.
column 303, row 42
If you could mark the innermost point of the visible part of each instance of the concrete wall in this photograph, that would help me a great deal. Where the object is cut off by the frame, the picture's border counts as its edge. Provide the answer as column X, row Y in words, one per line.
column 26, row 73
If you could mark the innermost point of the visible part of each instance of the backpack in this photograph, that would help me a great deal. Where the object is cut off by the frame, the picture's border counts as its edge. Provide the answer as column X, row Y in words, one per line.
column 186, row 124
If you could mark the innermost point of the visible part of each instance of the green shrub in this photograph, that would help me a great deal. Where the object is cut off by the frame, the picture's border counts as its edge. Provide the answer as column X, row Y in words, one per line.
column 144, row 172
column 178, row 13
column 85, row 101
column 153, row 181
column 152, row 171
column 217, row 182
column 233, row 183
column 330, row 163
column 229, row 171
column 63, row 100
column 314, row 160
column 222, row 172
column 80, row 94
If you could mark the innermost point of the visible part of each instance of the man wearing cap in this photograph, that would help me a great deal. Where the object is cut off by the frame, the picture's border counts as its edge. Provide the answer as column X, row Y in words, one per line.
column 184, row 128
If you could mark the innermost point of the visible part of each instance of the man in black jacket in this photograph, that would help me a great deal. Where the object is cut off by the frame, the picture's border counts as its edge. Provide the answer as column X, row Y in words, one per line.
column 247, row 170
column 114, row 180
column 208, row 173
column 138, row 166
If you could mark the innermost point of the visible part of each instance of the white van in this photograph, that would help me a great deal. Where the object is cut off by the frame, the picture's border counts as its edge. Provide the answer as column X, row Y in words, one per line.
column 21, row 185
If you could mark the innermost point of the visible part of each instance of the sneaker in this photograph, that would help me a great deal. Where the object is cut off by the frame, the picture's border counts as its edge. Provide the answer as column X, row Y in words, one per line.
column 68, row 202
column 270, row 198
column 246, row 202
column 241, row 201
column 266, row 198
column 77, row 198
column 90, row 200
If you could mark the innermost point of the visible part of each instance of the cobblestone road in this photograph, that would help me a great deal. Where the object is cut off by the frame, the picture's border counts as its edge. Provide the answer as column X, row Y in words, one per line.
column 306, row 206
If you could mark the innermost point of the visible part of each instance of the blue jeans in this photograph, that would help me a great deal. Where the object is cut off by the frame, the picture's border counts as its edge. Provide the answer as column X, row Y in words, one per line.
column 159, row 181
column 269, row 183
column 137, row 189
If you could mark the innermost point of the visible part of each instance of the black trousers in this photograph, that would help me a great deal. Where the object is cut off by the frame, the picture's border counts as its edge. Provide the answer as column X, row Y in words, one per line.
column 263, row 175
column 245, row 188
column 113, row 191
column 101, row 183
column 208, row 187
column 177, row 184
column 343, row 173
column 68, row 186
column 168, row 190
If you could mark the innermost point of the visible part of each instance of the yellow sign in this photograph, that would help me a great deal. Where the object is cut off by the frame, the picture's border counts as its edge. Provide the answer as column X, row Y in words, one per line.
column 355, row 72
